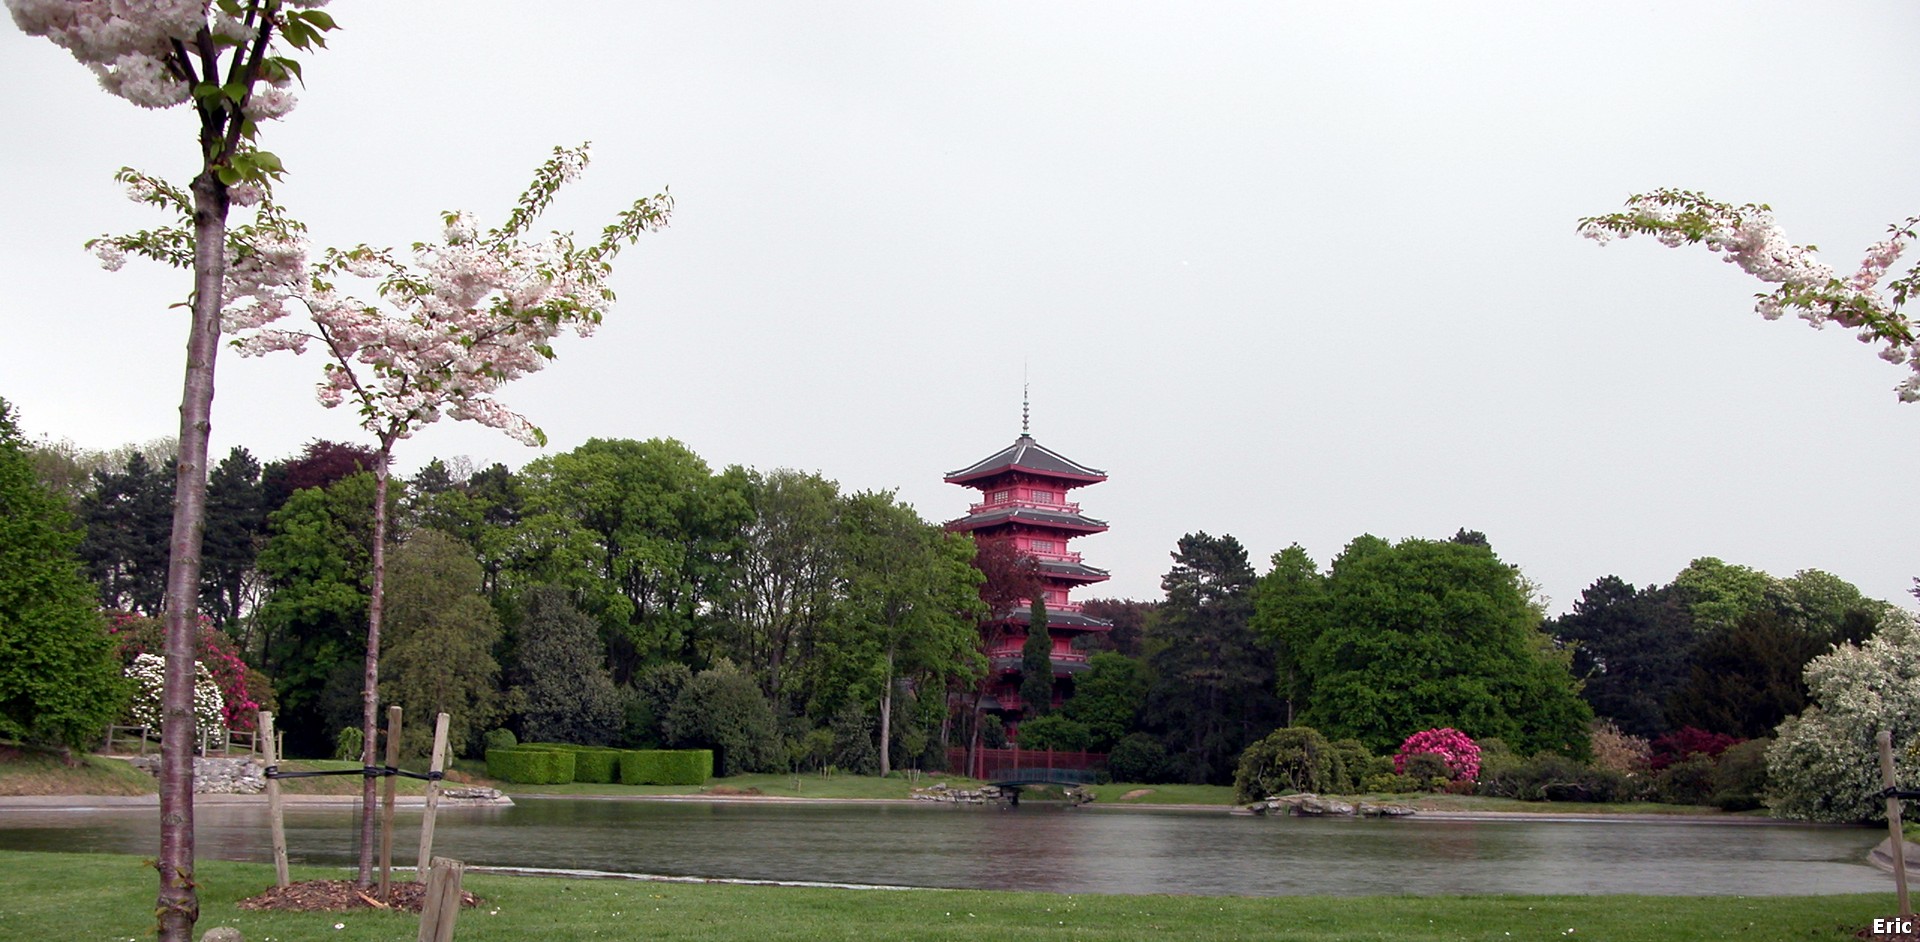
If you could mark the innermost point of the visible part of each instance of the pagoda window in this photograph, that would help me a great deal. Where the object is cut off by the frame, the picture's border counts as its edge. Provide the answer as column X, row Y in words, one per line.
column 1042, row 546
column 1001, row 497
column 1043, row 497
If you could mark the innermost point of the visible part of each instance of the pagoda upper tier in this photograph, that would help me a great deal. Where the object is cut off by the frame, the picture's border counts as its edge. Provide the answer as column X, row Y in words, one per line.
column 1023, row 488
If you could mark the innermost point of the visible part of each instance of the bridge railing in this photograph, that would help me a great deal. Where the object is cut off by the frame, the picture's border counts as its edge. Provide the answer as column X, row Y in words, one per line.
column 1002, row 765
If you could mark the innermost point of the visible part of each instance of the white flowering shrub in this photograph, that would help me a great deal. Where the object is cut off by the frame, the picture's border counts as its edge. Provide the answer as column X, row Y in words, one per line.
column 208, row 705
column 1825, row 765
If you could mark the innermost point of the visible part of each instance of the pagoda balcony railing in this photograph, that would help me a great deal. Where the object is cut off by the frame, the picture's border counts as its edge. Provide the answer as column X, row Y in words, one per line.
column 1057, row 507
column 1016, row 650
column 1055, row 557
column 1025, row 604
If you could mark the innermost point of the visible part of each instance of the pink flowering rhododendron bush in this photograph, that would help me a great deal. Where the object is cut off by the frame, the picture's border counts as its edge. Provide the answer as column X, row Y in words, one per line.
column 1456, row 749
column 243, row 691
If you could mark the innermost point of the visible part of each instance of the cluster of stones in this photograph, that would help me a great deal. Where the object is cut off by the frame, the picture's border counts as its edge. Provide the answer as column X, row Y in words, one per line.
column 247, row 776
column 1306, row 804
column 215, row 776
column 941, row 791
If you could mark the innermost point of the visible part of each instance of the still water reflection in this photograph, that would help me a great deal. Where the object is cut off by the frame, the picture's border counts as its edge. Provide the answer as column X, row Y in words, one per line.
column 1038, row 847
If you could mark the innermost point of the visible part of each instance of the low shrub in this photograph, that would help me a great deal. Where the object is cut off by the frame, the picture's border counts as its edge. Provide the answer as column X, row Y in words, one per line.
column 1389, row 783
column 1552, row 777
column 1054, row 731
column 501, row 739
column 1138, row 758
column 1290, row 759
column 1687, row 742
column 1686, row 782
column 665, row 766
column 1740, row 778
column 1351, row 763
column 348, row 744
column 531, row 766
column 1457, row 751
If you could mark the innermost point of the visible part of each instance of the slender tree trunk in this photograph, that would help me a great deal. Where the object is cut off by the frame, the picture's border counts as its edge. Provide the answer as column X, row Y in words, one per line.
column 178, row 905
column 886, row 720
column 370, row 692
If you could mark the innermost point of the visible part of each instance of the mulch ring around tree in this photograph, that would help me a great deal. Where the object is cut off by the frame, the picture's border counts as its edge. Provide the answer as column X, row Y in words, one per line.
column 332, row 896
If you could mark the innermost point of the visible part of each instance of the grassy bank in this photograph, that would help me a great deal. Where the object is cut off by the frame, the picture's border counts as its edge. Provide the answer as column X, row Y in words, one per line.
column 76, row 896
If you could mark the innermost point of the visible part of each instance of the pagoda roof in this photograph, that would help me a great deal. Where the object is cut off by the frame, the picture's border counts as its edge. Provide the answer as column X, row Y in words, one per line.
column 1019, row 514
column 1030, row 456
column 1057, row 618
column 1061, row 569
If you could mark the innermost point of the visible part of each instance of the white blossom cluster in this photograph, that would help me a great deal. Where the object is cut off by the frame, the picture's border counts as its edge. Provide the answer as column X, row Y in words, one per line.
column 129, row 44
column 147, row 673
column 1825, row 765
column 125, row 42
column 1749, row 237
column 455, row 321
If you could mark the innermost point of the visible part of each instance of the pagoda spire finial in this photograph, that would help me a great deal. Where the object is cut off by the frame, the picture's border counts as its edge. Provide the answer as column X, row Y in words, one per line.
column 1025, row 402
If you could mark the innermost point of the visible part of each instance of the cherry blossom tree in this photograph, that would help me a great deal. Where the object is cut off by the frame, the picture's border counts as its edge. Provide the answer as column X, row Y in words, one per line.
column 1749, row 237
column 225, row 58
column 454, row 322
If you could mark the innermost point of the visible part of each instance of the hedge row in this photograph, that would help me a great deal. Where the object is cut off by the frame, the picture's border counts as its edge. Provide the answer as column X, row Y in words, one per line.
column 666, row 766
column 560, row 763
column 530, row 766
column 596, row 764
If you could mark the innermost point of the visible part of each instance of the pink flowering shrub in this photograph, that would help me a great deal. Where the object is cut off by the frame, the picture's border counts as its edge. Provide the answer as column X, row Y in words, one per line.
column 1456, row 750
column 240, row 685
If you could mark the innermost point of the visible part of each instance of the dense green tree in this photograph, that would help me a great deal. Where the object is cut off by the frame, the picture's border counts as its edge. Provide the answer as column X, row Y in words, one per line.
column 1290, row 612
column 236, row 529
column 907, row 615
column 1108, row 698
column 561, row 682
column 1054, row 731
column 649, row 699
column 482, row 511
column 1719, row 593
column 1212, row 688
column 1632, row 650
column 1424, row 634
column 1746, row 677
column 1036, row 662
column 1129, row 631
column 440, row 636
column 786, row 583
column 128, row 514
column 59, row 679
column 312, row 623
column 722, row 709
column 319, row 464
column 645, row 532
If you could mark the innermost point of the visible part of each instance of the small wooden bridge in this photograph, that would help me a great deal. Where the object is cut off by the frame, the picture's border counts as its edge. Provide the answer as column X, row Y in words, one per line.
column 1015, row 767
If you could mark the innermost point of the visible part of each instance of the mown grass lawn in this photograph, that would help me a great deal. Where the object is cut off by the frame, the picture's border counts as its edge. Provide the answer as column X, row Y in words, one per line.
column 101, row 897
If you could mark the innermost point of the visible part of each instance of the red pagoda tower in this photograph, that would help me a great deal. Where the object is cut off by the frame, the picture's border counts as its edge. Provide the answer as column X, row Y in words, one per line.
column 1023, row 490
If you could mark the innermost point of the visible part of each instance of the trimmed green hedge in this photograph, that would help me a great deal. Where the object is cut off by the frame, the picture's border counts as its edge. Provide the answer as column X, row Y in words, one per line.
column 666, row 766
column 531, row 766
column 596, row 764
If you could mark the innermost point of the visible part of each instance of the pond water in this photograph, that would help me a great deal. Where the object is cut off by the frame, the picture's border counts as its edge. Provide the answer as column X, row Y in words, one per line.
column 1035, row 847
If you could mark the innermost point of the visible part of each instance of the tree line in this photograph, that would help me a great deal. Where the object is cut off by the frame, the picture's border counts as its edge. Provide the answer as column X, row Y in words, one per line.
column 627, row 593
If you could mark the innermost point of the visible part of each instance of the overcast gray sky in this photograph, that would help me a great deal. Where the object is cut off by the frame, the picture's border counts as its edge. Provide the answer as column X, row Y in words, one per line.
column 1288, row 271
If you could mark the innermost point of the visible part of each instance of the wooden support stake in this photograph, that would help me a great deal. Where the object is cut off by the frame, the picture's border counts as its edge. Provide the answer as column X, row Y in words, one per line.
column 1894, row 838
column 276, row 814
column 424, row 861
column 386, row 810
column 442, row 905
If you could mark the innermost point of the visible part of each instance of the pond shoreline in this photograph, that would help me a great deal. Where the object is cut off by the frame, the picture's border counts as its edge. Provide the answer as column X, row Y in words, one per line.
column 86, row 802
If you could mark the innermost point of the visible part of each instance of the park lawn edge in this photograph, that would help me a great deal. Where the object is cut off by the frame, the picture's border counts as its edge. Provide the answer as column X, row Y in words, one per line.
column 104, row 896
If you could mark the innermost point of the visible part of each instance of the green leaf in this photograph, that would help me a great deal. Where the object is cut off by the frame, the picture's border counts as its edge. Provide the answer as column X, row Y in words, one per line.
column 320, row 19
column 236, row 92
column 228, row 175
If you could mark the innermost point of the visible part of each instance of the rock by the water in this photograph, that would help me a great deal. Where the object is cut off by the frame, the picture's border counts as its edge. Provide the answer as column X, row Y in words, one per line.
column 1385, row 811
column 216, row 776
